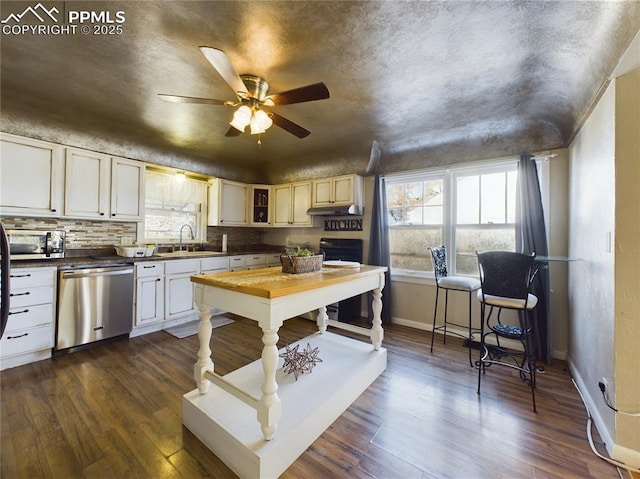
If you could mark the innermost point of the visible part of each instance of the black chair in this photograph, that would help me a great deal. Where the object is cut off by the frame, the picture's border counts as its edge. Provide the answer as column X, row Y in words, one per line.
column 465, row 284
column 505, row 284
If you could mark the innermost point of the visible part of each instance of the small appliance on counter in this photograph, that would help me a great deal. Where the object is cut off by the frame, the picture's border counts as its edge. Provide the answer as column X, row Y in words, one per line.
column 36, row 244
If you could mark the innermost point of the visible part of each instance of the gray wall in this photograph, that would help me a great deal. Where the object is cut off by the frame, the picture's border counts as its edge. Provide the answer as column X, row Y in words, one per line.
column 604, row 222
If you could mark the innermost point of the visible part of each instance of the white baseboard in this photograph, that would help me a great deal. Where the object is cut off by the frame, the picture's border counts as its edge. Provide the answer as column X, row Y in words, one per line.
column 597, row 419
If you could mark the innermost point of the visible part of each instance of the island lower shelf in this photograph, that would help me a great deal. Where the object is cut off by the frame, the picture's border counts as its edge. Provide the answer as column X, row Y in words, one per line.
column 228, row 427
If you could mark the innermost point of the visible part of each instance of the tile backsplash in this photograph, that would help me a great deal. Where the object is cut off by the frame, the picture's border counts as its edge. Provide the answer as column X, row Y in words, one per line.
column 80, row 233
column 95, row 234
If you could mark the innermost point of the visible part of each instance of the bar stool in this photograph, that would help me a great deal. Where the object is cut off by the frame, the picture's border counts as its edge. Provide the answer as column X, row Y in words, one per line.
column 506, row 280
column 448, row 283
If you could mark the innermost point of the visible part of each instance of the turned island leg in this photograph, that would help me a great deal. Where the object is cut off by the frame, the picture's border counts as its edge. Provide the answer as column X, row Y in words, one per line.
column 204, row 362
column 322, row 319
column 377, row 334
column 270, row 404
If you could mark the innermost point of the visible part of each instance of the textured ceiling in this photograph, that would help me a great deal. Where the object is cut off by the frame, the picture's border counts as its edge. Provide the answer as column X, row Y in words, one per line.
column 429, row 83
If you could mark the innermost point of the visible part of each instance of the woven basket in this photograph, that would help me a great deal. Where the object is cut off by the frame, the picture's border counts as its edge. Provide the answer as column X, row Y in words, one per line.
column 301, row 264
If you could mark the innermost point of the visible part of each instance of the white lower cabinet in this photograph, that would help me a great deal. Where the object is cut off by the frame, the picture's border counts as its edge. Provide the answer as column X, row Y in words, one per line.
column 149, row 293
column 29, row 333
column 214, row 265
column 178, row 288
column 256, row 261
column 273, row 260
column 237, row 263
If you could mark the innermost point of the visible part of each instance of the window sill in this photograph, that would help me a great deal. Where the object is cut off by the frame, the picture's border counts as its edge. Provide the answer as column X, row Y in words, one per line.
column 416, row 277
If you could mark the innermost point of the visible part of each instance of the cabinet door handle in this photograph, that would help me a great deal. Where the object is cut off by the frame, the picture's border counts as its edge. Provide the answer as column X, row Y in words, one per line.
column 147, row 267
column 19, row 294
column 53, row 210
column 20, row 275
column 113, row 214
column 20, row 336
column 158, row 279
column 18, row 312
column 101, row 214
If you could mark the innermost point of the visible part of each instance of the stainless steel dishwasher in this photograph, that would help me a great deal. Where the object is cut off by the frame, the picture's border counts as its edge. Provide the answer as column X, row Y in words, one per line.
column 95, row 302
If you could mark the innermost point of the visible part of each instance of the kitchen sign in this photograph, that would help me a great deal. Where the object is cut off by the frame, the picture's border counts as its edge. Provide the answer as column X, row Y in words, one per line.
column 343, row 225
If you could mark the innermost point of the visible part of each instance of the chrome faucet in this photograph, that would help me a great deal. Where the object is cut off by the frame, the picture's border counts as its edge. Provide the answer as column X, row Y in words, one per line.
column 191, row 235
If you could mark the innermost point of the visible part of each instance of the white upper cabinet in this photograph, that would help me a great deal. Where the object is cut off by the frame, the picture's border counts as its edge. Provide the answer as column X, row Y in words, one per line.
column 228, row 203
column 31, row 177
column 300, row 203
column 339, row 190
column 291, row 202
column 87, row 184
column 127, row 189
column 101, row 187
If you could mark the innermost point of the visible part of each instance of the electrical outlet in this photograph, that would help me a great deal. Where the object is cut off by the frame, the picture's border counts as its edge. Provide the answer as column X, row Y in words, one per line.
column 604, row 387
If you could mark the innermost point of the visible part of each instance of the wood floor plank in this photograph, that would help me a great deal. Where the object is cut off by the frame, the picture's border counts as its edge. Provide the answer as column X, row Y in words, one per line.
column 116, row 411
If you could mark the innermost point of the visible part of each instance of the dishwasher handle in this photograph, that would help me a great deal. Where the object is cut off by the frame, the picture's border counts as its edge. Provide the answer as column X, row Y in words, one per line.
column 94, row 273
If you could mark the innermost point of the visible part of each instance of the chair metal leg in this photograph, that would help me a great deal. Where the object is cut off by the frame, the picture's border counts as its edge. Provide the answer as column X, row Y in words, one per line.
column 482, row 347
column 435, row 315
column 469, row 341
column 446, row 308
column 494, row 355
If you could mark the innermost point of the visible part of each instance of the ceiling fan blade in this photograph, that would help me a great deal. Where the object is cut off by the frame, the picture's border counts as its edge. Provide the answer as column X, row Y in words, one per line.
column 317, row 91
column 220, row 61
column 290, row 126
column 233, row 132
column 191, row 99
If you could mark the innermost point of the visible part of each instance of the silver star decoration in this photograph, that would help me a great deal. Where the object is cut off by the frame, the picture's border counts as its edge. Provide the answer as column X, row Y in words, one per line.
column 311, row 357
column 299, row 362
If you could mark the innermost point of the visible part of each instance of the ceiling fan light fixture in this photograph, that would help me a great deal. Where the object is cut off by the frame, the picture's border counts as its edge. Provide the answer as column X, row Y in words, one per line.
column 241, row 118
column 260, row 122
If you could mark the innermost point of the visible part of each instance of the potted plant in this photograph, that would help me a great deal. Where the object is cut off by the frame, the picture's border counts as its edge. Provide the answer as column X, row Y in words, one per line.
column 301, row 261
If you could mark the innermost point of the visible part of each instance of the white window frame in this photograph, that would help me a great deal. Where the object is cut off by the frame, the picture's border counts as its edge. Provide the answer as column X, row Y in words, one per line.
column 200, row 213
column 448, row 228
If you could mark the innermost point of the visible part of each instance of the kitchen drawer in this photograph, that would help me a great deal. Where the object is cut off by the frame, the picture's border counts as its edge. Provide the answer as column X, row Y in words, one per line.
column 273, row 259
column 210, row 264
column 27, row 278
column 182, row 266
column 29, row 296
column 29, row 317
column 255, row 260
column 144, row 270
column 26, row 341
column 237, row 262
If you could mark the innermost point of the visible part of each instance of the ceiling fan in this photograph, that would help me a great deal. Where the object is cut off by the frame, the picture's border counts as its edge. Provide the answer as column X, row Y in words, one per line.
column 253, row 101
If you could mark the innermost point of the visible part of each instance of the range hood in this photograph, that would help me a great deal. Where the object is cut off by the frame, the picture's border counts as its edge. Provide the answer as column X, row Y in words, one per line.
column 344, row 210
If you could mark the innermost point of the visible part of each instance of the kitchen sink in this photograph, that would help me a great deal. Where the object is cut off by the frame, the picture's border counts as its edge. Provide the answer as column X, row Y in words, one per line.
column 179, row 254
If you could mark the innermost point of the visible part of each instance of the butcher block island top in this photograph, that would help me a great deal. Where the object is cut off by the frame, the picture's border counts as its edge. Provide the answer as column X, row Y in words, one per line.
column 273, row 283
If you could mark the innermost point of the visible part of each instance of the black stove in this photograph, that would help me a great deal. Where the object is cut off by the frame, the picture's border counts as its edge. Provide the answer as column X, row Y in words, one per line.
column 345, row 249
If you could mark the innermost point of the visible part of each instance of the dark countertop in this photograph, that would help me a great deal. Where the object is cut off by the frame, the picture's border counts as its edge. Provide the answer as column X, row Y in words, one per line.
column 93, row 257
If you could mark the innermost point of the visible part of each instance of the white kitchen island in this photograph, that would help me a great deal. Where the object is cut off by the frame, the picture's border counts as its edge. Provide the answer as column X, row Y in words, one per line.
column 257, row 419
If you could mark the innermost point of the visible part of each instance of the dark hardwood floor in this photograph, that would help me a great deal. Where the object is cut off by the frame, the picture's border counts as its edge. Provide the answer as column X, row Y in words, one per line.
column 115, row 411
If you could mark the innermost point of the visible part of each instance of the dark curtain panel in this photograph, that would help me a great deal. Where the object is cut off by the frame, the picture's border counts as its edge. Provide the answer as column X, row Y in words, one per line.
column 531, row 237
column 379, row 253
